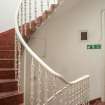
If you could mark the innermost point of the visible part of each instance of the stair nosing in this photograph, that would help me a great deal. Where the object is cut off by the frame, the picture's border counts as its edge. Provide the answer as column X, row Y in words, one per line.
column 8, row 50
column 8, row 59
column 9, row 94
column 7, row 70
column 8, row 80
column 4, row 69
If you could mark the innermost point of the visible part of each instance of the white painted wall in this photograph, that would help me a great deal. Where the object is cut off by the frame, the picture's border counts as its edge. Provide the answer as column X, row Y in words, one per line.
column 65, row 52
column 7, row 13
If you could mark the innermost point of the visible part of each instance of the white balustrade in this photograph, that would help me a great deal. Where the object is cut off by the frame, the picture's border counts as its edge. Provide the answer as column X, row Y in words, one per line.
column 47, row 87
column 75, row 93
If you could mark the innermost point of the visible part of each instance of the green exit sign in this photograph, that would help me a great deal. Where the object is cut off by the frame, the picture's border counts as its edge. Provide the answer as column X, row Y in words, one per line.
column 94, row 46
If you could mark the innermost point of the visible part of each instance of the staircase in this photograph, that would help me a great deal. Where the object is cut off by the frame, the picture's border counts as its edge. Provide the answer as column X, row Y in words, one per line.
column 9, row 92
column 46, row 87
column 9, row 89
column 41, row 84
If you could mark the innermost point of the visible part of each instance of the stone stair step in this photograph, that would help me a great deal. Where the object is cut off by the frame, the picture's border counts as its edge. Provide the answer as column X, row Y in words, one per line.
column 8, row 85
column 9, row 63
column 11, row 98
column 7, row 74
column 7, row 54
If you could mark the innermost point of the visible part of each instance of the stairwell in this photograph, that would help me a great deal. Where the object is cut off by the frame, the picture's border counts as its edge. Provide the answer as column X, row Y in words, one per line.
column 9, row 94
column 9, row 88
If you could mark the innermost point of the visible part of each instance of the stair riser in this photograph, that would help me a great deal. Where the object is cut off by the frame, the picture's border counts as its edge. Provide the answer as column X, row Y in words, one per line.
column 5, row 69
column 8, row 87
column 7, row 64
column 12, row 100
column 7, row 42
column 7, row 47
column 7, row 55
column 7, row 74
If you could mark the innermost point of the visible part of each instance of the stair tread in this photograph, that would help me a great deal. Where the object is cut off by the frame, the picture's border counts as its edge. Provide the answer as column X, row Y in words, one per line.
column 6, row 69
column 8, row 80
column 7, row 59
column 11, row 98
column 7, row 94
column 8, row 50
